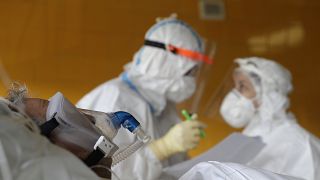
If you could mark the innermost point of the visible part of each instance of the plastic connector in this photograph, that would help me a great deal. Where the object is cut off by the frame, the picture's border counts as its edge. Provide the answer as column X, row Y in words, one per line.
column 105, row 146
column 126, row 120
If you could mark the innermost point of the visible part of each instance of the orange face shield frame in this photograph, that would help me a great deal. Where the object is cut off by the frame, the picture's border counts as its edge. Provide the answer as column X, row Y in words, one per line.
column 194, row 55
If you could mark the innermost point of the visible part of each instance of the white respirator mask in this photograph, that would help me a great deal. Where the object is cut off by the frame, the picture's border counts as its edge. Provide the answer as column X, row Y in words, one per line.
column 181, row 89
column 237, row 110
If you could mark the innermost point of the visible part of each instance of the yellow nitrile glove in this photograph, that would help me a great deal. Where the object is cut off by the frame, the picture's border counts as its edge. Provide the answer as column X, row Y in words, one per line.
column 181, row 137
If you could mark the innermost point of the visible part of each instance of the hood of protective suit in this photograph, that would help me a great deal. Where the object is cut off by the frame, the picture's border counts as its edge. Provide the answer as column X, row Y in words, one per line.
column 274, row 77
column 159, row 75
column 272, row 88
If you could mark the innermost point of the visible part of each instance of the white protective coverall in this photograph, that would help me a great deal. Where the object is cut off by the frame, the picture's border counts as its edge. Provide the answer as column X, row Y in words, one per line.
column 147, row 90
column 290, row 149
column 213, row 170
column 27, row 155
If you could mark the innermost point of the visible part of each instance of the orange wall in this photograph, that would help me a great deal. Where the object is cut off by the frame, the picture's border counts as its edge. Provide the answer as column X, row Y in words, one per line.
column 73, row 45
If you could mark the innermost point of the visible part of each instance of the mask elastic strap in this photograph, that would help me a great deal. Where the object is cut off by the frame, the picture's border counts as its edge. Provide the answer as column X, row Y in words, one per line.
column 101, row 148
column 194, row 55
column 94, row 157
column 47, row 127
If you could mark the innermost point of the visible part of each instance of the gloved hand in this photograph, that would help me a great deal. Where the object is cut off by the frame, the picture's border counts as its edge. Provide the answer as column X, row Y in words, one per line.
column 180, row 138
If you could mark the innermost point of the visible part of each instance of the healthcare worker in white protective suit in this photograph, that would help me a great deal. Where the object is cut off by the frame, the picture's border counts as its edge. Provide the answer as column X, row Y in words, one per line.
column 259, row 103
column 161, row 75
column 213, row 170
column 27, row 155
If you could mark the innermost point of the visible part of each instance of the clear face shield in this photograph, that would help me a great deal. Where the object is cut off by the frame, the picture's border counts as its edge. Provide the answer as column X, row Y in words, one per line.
column 201, row 73
column 235, row 99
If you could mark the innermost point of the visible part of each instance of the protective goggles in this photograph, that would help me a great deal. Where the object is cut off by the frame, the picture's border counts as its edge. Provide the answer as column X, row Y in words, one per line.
column 194, row 55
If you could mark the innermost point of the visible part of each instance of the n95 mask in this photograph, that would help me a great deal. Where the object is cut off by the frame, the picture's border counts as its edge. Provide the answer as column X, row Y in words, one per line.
column 237, row 110
column 181, row 89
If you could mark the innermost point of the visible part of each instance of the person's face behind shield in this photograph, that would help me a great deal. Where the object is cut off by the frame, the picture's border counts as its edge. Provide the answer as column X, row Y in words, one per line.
column 37, row 108
column 164, row 68
column 244, row 85
column 240, row 104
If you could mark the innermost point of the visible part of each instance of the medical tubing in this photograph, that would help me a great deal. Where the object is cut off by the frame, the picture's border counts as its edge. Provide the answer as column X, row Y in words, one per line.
column 141, row 135
column 142, row 139
column 127, row 121
column 122, row 155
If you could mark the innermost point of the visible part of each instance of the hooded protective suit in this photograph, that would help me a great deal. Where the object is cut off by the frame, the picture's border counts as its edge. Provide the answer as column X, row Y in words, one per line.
column 27, row 155
column 229, row 171
column 290, row 149
column 147, row 89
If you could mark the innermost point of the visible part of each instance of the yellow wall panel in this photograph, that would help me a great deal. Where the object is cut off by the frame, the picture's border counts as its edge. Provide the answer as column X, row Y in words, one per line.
column 73, row 45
